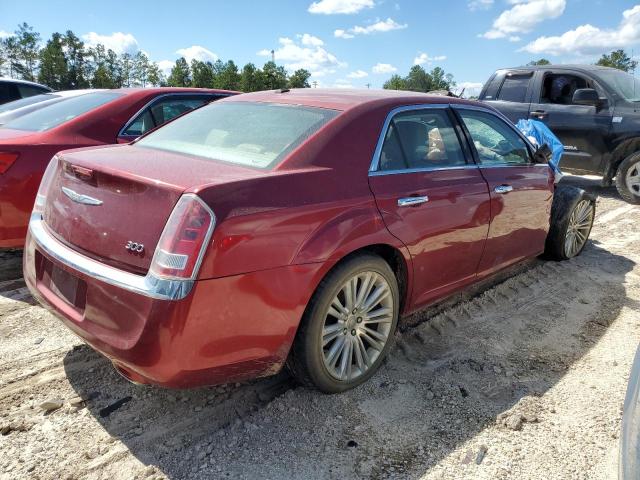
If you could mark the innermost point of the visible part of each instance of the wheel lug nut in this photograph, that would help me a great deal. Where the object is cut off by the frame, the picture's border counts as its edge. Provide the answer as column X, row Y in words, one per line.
column 353, row 332
column 354, row 311
column 359, row 320
column 344, row 331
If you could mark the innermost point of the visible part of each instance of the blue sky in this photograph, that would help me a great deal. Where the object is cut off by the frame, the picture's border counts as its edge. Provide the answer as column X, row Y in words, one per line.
column 347, row 42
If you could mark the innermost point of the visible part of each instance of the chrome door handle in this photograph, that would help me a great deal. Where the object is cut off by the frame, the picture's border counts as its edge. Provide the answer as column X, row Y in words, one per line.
column 503, row 189
column 411, row 201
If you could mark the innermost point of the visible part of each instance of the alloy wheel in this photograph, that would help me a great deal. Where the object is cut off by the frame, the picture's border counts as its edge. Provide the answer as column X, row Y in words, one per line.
column 633, row 179
column 357, row 325
column 579, row 227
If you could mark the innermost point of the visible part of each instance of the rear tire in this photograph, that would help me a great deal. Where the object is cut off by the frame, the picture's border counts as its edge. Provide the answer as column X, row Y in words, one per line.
column 572, row 215
column 628, row 179
column 348, row 326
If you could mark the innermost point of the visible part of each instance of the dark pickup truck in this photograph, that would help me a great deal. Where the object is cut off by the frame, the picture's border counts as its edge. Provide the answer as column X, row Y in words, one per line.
column 595, row 111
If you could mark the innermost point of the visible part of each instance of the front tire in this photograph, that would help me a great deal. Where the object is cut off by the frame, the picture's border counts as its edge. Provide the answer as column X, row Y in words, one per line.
column 572, row 215
column 348, row 326
column 628, row 179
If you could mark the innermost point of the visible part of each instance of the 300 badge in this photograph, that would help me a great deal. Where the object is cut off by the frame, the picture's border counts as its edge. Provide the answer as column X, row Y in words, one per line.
column 134, row 247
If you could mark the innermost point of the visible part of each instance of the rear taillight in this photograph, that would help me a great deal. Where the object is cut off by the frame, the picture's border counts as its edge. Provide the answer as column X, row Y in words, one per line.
column 47, row 178
column 6, row 160
column 183, row 240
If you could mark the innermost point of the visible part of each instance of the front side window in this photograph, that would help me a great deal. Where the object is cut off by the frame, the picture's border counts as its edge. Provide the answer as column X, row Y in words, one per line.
column 625, row 84
column 495, row 141
column 30, row 90
column 60, row 112
column 421, row 139
column 161, row 112
column 251, row 134
column 514, row 88
column 559, row 88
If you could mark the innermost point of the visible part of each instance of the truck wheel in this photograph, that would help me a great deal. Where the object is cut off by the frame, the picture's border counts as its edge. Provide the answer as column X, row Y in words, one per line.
column 348, row 326
column 572, row 215
column 628, row 179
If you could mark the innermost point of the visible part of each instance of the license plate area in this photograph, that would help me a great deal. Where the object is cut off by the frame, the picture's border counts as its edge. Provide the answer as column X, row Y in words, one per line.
column 65, row 285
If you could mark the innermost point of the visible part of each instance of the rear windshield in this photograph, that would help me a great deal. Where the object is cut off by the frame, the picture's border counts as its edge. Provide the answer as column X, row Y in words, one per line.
column 244, row 133
column 24, row 102
column 61, row 112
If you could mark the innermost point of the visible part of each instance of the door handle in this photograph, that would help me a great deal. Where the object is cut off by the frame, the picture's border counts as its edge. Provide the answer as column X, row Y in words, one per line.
column 412, row 201
column 502, row 189
column 540, row 114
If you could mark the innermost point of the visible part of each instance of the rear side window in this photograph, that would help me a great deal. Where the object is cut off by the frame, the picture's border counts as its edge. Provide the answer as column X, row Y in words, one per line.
column 252, row 134
column 495, row 141
column 29, row 90
column 8, row 92
column 421, row 139
column 161, row 112
column 514, row 88
column 58, row 113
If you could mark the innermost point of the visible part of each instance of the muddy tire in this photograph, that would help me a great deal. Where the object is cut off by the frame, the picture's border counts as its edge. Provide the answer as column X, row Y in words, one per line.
column 572, row 215
column 628, row 179
column 348, row 326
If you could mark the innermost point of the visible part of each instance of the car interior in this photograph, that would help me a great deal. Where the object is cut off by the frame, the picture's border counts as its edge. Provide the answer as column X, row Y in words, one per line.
column 420, row 141
column 559, row 89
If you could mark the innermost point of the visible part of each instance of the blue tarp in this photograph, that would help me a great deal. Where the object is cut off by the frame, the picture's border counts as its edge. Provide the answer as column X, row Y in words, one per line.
column 541, row 134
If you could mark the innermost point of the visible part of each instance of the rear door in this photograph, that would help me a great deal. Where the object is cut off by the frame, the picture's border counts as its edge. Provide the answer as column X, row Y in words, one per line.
column 432, row 197
column 160, row 111
column 582, row 129
column 510, row 92
column 521, row 191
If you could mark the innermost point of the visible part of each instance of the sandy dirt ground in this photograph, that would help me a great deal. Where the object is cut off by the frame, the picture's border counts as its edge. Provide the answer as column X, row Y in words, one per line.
column 525, row 380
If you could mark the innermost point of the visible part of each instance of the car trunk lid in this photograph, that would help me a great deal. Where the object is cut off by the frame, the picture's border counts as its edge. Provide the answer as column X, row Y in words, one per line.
column 103, row 200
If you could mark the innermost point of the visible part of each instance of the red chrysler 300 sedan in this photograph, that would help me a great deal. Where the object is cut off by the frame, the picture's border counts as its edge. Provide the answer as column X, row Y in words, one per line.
column 97, row 117
column 288, row 227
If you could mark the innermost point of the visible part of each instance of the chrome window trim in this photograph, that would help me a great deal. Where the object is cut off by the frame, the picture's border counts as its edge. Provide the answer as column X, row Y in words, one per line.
column 148, row 285
column 379, row 173
column 157, row 99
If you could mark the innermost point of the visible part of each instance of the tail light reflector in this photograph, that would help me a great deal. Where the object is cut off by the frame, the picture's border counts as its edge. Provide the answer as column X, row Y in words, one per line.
column 6, row 160
column 47, row 178
column 184, row 240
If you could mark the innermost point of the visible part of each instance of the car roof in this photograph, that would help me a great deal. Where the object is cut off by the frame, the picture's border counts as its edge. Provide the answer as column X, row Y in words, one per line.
column 344, row 99
column 23, row 82
column 147, row 90
column 575, row 67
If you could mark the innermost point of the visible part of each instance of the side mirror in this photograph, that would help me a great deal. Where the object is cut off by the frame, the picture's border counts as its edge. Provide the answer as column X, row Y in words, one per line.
column 543, row 154
column 586, row 96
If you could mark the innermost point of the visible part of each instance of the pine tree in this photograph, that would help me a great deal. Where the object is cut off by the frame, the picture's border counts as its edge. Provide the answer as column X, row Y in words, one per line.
column 251, row 79
column 76, row 56
column 54, row 70
column 26, row 43
column 180, row 75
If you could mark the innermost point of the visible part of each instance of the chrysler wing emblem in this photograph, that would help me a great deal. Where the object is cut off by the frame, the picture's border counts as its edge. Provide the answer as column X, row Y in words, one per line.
column 80, row 198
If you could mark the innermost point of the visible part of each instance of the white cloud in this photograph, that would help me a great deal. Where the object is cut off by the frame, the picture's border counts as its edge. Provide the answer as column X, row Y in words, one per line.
column 165, row 66
column 197, row 52
column 480, row 4
column 469, row 89
column 524, row 16
column 423, row 59
column 342, row 83
column 383, row 68
column 4, row 34
column 587, row 39
column 310, row 40
column 340, row 33
column 332, row 7
column 380, row 26
column 311, row 56
column 358, row 74
column 118, row 42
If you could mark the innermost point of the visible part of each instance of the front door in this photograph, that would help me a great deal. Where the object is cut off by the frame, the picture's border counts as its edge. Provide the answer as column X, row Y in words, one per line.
column 433, row 198
column 582, row 129
column 521, row 191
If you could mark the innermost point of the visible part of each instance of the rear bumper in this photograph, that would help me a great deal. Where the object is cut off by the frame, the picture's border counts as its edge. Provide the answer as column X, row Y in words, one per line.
column 209, row 332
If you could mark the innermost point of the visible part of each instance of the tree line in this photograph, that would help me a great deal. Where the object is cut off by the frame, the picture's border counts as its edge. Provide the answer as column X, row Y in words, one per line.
column 65, row 62
column 419, row 80
column 617, row 59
